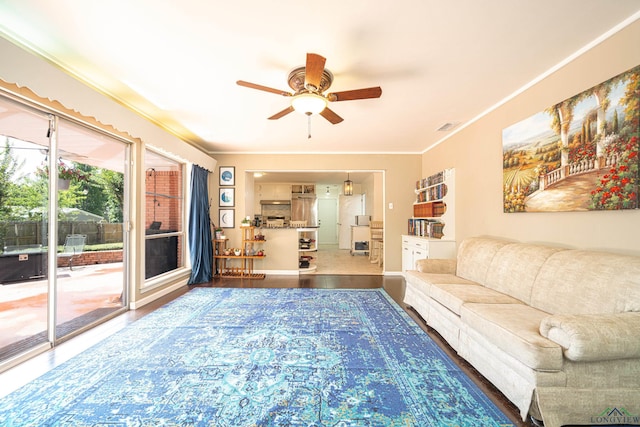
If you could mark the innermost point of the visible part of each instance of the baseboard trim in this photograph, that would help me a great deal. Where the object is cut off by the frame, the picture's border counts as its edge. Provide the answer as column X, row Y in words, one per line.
column 154, row 296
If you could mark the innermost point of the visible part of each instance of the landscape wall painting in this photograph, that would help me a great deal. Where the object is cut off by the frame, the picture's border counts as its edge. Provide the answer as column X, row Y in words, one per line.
column 580, row 154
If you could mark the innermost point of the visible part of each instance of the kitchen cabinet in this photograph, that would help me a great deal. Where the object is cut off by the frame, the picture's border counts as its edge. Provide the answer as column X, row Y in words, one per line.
column 415, row 248
column 270, row 191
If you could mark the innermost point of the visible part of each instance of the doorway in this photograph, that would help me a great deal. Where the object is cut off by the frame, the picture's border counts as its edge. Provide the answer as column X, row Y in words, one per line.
column 368, row 189
column 350, row 206
column 328, row 221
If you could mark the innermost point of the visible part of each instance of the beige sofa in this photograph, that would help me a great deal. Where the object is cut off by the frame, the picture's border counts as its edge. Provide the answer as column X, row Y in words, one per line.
column 557, row 331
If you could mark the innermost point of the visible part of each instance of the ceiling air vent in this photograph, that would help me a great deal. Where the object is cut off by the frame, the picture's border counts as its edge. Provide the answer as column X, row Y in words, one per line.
column 448, row 126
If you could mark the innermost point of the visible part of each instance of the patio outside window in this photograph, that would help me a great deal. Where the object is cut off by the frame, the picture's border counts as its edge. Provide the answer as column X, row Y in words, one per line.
column 164, row 218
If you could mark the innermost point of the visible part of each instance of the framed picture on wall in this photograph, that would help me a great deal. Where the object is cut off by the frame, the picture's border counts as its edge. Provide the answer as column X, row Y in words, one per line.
column 580, row 154
column 227, row 197
column 227, row 175
column 227, row 218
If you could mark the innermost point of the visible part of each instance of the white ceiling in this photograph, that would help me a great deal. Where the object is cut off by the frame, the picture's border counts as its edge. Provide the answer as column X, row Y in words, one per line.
column 437, row 61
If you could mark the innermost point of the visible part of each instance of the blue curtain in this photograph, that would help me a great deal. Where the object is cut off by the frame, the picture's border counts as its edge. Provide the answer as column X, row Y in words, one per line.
column 200, row 245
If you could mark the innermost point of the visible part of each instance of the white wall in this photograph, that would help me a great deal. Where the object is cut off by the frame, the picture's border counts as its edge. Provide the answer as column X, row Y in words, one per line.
column 476, row 154
column 24, row 69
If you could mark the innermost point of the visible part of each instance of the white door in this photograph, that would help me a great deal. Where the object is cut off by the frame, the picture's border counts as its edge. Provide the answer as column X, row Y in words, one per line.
column 328, row 221
column 349, row 207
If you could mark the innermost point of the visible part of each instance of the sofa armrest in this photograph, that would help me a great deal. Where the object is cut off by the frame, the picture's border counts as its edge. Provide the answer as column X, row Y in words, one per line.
column 593, row 337
column 438, row 266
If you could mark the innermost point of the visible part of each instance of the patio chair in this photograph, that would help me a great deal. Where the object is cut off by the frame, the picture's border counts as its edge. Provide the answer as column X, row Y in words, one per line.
column 73, row 246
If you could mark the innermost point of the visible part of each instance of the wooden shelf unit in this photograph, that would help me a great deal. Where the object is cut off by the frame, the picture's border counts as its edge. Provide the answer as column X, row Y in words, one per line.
column 431, row 229
column 245, row 269
column 433, row 211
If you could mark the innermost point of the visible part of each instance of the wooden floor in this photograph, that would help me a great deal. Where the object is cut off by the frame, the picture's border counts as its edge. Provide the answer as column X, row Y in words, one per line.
column 393, row 285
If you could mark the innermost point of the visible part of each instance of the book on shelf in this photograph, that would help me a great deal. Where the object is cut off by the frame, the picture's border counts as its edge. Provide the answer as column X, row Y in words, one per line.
column 434, row 209
column 434, row 179
column 425, row 228
column 430, row 209
column 432, row 193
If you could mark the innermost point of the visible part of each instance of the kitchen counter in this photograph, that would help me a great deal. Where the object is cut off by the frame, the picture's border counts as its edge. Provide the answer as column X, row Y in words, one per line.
column 281, row 248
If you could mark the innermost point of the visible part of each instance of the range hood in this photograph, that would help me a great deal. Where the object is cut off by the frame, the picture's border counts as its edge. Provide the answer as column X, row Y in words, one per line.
column 275, row 202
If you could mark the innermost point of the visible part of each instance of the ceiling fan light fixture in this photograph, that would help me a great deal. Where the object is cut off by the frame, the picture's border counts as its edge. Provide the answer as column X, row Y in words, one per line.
column 308, row 103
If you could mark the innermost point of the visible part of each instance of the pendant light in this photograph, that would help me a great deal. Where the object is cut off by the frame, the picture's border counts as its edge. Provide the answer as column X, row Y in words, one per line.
column 348, row 187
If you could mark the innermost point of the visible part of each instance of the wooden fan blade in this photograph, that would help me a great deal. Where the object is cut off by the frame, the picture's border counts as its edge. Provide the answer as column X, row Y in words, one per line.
column 349, row 95
column 264, row 88
column 282, row 113
column 313, row 70
column 331, row 116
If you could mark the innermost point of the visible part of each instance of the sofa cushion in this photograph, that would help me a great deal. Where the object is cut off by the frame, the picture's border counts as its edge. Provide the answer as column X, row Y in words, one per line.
column 423, row 281
column 515, row 267
column 587, row 282
column 416, row 282
column 595, row 337
column 436, row 265
column 632, row 298
column 474, row 257
column 514, row 328
column 453, row 295
column 432, row 278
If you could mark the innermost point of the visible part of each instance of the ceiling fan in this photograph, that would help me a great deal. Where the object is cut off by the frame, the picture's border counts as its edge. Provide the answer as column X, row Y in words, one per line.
column 309, row 83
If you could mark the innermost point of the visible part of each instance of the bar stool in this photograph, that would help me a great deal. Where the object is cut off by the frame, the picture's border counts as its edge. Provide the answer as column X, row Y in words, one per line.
column 376, row 241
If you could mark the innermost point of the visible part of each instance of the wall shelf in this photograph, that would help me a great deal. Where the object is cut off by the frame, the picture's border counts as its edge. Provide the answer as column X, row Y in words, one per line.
column 434, row 208
column 431, row 230
column 245, row 268
column 307, row 242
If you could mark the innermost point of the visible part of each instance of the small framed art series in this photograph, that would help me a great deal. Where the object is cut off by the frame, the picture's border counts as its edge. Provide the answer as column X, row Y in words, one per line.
column 227, row 175
column 227, row 218
column 227, row 197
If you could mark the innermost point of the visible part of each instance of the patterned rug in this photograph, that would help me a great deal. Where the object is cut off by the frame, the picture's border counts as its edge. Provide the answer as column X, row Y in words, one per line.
column 263, row 358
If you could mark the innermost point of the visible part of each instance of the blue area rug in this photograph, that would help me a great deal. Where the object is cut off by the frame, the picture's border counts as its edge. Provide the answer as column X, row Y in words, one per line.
column 260, row 358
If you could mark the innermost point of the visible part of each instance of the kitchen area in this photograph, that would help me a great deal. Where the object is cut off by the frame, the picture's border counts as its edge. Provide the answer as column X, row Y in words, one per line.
column 304, row 226
column 299, row 205
column 292, row 221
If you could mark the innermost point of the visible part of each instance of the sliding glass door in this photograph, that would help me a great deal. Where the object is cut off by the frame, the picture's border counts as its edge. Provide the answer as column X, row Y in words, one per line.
column 90, row 234
column 24, row 140
column 62, row 236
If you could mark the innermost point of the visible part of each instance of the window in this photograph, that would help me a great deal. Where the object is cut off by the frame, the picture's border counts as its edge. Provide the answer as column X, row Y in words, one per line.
column 164, row 218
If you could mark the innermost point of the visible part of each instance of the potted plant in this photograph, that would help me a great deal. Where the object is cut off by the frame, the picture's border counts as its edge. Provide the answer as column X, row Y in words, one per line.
column 66, row 174
column 218, row 233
